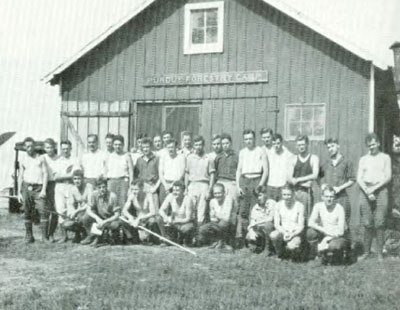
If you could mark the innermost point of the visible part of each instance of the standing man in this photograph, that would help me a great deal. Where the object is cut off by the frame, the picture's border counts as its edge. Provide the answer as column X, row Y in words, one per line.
column 303, row 171
column 187, row 147
column 137, row 152
column 200, row 176
column 50, row 158
column 226, row 164
column 172, row 168
column 32, row 185
column 109, row 139
column 338, row 173
column 93, row 161
column 64, row 168
column 251, row 174
column 166, row 138
column 216, row 147
column 267, row 139
column 119, row 171
column 157, row 144
column 146, row 169
column 374, row 174
column 279, row 159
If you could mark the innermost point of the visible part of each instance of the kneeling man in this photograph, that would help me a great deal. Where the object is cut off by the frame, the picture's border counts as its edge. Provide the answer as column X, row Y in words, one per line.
column 261, row 224
column 140, row 210
column 289, row 224
column 177, row 212
column 104, row 211
column 222, row 220
column 327, row 227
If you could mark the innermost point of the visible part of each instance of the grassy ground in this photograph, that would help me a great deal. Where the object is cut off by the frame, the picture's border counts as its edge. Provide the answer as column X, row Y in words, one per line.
column 70, row 276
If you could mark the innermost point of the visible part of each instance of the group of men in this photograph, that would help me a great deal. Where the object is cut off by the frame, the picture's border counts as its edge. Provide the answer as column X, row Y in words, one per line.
column 261, row 197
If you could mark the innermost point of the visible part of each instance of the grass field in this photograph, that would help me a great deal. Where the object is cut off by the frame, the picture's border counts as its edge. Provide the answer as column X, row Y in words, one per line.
column 76, row 277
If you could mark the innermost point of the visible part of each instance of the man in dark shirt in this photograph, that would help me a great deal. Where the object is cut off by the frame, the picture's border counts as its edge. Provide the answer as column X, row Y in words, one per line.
column 338, row 172
column 226, row 165
column 146, row 169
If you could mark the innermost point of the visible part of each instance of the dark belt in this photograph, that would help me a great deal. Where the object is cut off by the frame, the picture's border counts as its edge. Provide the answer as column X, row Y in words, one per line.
column 64, row 182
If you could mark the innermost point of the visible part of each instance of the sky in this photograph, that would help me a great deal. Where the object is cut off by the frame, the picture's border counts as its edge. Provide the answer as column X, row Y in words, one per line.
column 36, row 36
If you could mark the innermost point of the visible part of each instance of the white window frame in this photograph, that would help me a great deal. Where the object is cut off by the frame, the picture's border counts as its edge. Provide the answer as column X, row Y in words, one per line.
column 218, row 47
column 303, row 105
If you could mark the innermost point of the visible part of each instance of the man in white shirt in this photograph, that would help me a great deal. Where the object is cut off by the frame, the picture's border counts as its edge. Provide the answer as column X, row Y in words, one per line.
column 187, row 146
column 108, row 141
column 267, row 139
column 171, row 169
column 327, row 226
column 252, row 172
column 166, row 138
column 157, row 144
column 279, row 159
column 32, row 184
column 93, row 162
column 289, row 225
column 374, row 174
column 222, row 220
column 216, row 146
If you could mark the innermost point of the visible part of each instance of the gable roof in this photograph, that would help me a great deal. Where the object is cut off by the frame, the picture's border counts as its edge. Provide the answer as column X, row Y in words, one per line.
column 277, row 4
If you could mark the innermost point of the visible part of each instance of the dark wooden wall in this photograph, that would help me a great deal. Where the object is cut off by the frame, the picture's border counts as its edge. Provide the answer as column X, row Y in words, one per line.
column 303, row 66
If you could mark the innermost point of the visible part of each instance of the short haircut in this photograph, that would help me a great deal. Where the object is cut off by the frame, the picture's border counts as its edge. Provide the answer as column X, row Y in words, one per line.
column 219, row 185
column 157, row 135
column 67, row 142
column 331, row 140
column 249, row 131
column 198, row 139
column 215, row 137
column 277, row 136
column 288, row 187
column 109, row 136
column 29, row 139
column 372, row 136
column 77, row 173
column 266, row 130
column 303, row 138
column 167, row 132
column 173, row 141
column 137, row 182
column 328, row 189
column 147, row 141
column 140, row 136
column 93, row 135
column 101, row 181
column 119, row 138
column 187, row 134
column 50, row 141
column 226, row 137
column 179, row 184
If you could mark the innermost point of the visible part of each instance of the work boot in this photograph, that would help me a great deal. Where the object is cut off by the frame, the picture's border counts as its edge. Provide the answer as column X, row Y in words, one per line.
column 89, row 239
column 77, row 237
column 64, row 235
column 44, row 226
column 29, row 234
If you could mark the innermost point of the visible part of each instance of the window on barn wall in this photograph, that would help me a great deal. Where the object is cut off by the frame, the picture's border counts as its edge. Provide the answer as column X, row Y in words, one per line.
column 204, row 26
column 305, row 119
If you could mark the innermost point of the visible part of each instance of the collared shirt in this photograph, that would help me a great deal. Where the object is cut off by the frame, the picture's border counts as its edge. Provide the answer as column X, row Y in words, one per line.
column 64, row 165
column 199, row 168
column 226, row 165
column 263, row 214
column 212, row 155
column 172, row 169
column 337, row 174
column 104, row 206
column 279, row 167
column 225, row 212
column 252, row 161
column 117, row 165
column 94, row 164
column 163, row 152
column 185, row 151
column 77, row 198
column 147, row 168
column 50, row 164
column 33, row 168
column 333, row 221
column 374, row 168
column 135, row 156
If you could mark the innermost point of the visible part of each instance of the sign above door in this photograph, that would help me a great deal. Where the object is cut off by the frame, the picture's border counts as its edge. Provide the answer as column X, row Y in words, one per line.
column 244, row 77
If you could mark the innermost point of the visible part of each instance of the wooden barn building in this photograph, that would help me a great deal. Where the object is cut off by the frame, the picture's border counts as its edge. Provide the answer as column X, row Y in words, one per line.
column 223, row 66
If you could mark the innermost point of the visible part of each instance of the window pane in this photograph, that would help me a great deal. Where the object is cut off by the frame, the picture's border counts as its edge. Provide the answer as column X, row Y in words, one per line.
column 197, row 36
column 293, row 114
column 306, row 129
column 212, row 17
column 319, row 129
column 211, row 34
column 319, row 114
column 307, row 114
column 198, row 19
column 294, row 129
